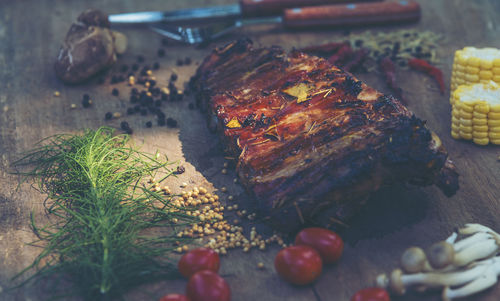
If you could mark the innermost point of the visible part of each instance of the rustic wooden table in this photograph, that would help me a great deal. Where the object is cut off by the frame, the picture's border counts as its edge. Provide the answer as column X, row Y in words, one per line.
column 394, row 219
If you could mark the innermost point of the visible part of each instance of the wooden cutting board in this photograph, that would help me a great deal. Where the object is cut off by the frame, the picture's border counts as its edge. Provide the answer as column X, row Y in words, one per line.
column 394, row 218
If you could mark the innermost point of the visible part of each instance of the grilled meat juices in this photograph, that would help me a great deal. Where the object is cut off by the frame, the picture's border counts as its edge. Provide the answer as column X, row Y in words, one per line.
column 312, row 141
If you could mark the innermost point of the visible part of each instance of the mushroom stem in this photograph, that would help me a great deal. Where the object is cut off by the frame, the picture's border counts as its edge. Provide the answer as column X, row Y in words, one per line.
column 452, row 238
column 488, row 279
column 471, row 240
column 480, row 250
column 437, row 279
column 474, row 228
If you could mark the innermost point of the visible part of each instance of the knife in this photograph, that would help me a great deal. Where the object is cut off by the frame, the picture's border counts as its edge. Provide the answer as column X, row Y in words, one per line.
column 245, row 8
column 294, row 18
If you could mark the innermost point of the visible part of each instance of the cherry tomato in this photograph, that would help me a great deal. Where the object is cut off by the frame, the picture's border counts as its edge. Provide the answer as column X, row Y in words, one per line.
column 328, row 243
column 174, row 297
column 207, row 286
column 298, row 264
column 371, row 294
column 198, row 260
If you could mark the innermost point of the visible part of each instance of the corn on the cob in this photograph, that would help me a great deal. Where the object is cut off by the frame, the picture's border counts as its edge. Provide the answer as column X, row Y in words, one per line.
column 475, row 65
column 476, row 113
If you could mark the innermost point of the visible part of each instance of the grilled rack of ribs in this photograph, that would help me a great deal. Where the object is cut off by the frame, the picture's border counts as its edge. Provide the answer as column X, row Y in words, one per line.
column 312, row 142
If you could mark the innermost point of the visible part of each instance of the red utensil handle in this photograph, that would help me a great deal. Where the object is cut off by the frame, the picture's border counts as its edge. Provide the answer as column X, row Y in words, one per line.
column 270, row 7
column 353, row 14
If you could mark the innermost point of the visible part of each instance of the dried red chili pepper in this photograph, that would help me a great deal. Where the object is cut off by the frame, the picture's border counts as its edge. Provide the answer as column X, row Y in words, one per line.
column 389, row 71
column 424, row 66
column 357, row 58
column 343, row 53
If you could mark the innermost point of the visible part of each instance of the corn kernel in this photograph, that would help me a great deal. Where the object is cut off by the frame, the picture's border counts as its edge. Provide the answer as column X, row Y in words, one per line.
column 494, row 135
column 479, row 135
column 486, row 64
column 472, row 70
column 477, row 115
column 466, row 136
column 465, row 115
column 485, row 74
column 494, row 115
column 482, row 108
column 481, row 141
column 466, row 129
column 479, row 121
column 480, row 128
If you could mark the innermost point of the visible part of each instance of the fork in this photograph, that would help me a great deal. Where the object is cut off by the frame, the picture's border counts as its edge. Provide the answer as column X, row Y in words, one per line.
column 296, row 18
column 205, row 34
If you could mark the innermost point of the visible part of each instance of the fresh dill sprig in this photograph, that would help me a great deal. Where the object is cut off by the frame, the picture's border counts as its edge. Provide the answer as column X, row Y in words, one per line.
column 109, row 230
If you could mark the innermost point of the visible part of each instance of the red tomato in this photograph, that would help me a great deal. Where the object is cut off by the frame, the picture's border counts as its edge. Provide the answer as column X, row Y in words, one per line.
column 298, row 264
column 198, row 260
column 207, row 286
column 328, row 243
column 174, row 297
column 371, row 294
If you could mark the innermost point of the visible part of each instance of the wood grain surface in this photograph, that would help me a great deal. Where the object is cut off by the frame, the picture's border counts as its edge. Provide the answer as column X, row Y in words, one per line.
column 393, row 219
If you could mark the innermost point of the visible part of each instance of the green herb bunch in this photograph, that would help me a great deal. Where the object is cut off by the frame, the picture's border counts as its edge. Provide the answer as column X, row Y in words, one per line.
column 109, row 230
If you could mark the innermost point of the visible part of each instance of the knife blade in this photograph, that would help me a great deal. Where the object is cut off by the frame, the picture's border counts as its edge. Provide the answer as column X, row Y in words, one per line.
column 244, row 8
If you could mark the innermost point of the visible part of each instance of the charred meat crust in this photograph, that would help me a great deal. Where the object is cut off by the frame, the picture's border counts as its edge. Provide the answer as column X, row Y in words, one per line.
column 312, row 141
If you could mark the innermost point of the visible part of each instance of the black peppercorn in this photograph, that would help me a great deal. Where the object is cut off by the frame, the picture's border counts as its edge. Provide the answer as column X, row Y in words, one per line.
column 158, row 102
column 135, row 67
column 160, row 114
column 130, row 111
column 171, row 122
column 191, row 106
column 156, row 66
column 140, row 58
column 161, row 52
column 108, row 116
column 144, row 112
column 124, row 68
column 187, row 61
column 124, row 125
column 149, row 124
column 86, row 102
column 173, row 77
column 115, row 92
column 161, row 121
column 180, row 62
column 180, row 169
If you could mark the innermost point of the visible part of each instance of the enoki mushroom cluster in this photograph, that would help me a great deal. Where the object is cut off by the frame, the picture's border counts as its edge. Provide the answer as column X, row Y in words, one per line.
column 465, row 263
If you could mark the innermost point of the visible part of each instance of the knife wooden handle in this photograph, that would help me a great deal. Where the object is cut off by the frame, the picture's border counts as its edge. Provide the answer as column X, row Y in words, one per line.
column 353, row 14
column 276, row 7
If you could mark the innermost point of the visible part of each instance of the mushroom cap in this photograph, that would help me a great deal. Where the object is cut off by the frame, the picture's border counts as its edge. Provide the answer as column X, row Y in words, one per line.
column 94, row 17
column 382, row 281
column 440, row 254
column 86, row 51
column 413, row 260
column 396, row 283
